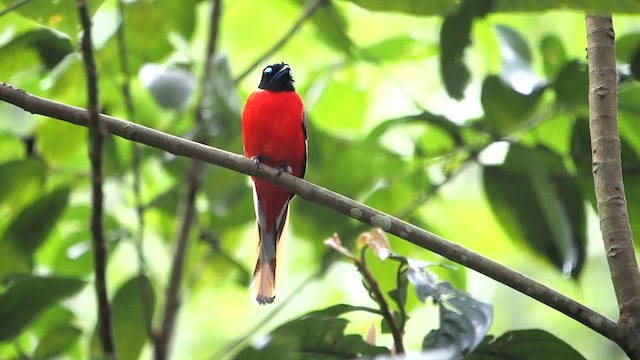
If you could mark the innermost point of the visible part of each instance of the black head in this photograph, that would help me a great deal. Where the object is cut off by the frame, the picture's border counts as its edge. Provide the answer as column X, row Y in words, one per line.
column 277, row 77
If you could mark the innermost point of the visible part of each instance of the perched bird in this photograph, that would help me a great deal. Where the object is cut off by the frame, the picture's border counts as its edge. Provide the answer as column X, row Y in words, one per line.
column 274, row 133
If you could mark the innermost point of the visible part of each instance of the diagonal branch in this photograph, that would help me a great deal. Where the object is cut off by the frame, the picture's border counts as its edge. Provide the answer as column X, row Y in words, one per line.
column 309, row 10
column 96, row 140
column 164, row 334
column 607, row 175
column 13, row 6
column 324, row 197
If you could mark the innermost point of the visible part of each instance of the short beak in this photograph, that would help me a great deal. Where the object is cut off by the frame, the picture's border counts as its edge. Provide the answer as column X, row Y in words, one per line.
column 279, row 74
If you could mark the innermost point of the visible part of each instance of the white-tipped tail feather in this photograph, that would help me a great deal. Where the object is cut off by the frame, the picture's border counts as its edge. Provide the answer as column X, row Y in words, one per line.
column 269, row 253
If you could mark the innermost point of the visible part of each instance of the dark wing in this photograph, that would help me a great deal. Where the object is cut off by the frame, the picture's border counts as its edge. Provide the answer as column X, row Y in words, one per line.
column 306, row 146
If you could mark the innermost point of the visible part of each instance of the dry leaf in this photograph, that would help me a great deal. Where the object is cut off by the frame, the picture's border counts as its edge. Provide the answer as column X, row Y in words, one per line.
column 377, row 241
column 371, row 335
column 335, row 243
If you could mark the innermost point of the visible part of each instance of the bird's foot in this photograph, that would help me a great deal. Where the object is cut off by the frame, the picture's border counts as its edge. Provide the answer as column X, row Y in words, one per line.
column 284, row 168
column 257, row 160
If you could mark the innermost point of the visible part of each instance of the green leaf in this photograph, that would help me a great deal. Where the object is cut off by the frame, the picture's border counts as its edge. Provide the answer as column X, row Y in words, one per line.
column 399, row 294
column 626, row 46
column 162, row 18
column 21, row 181
column 449, row 127
column 52, row 47
column 634, row 65
column 436, row 7
column 384, row 325
column 505, row 109
column 39, row 293
column 537, row 201
column 34, row 50
column 399, row 48
column 516, row 61
column 464, row 322
column 514, row 44
column 553, row 55
column 229, row 197
column 352, row 168
column 422, row 280
column 318, row 335
column 56, row 316
column 629, row 103
column 581, row 155
column 221, row 101
column 531, row 344
column 336, row 310
column 59, row 15
column 70, row 154
column 68, row 252
column 454, row 39
column 56, row 341
column 342, row 104
column 588, row 6
column 331, row 25
column 572, row 84
column 364, row 163
column 24, row 60
column 401, row 192
column 132, row 309
column 29, row 230
column 628, row 52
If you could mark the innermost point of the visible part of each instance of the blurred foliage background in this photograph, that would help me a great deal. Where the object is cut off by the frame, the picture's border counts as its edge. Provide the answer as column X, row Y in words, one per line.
column 468, row 120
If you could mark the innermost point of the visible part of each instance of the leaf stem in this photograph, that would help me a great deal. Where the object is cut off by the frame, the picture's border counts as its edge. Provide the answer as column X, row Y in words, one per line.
column 378, row 297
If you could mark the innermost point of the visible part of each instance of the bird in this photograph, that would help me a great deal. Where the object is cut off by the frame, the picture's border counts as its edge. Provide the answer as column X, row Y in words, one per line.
column 274, row 133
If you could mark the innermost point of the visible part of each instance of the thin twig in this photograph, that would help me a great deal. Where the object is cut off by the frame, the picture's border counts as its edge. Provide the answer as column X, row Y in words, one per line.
column 136, row 149
column 212, row 45
column 308, row 12
column 13, row 6
column 339, row 203
column 96, row 140
column 607, row 176
column 378, row 297
column 429, row 193
column 164, row 334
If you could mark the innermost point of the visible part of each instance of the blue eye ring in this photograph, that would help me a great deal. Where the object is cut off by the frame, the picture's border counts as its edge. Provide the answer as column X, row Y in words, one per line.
column 268, row 70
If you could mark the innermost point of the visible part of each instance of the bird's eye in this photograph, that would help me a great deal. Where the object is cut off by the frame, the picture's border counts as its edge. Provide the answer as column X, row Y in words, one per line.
column 268, row 70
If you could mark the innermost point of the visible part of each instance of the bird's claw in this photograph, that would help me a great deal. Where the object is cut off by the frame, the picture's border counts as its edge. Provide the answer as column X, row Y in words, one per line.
column 284, row 168
column 256, row 159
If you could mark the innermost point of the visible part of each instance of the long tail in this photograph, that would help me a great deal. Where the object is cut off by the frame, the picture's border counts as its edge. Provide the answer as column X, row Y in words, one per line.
column 269, row 254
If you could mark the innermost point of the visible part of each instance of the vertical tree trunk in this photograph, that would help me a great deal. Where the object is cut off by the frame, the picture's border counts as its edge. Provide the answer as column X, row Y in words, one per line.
column 607, row 176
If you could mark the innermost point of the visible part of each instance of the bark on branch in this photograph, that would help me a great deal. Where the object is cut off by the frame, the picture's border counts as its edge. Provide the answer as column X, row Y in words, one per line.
column 607, row 176
column 96, row 141
column 324, row 197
